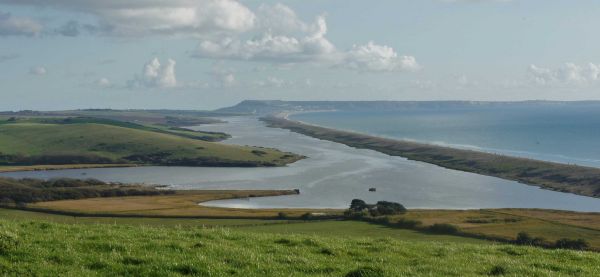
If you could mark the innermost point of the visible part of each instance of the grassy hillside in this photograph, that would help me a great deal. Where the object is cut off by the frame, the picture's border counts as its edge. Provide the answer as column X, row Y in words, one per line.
column 92, row 143
column 42, row 248
column 147, row 126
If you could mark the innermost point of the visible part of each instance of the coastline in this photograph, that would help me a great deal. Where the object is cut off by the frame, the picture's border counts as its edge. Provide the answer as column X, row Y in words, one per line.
column 574, row 179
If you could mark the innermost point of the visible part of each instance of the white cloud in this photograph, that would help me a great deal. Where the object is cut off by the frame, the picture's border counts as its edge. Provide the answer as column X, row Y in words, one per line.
column 227, row 29
column 18, row 26
column 272, row 82
column 567, row 74
column 38, row 71
column 155, row 75
column 284, row 38
column 270, row 46
column 103, row 83
column 150, row 17
column 373, row 57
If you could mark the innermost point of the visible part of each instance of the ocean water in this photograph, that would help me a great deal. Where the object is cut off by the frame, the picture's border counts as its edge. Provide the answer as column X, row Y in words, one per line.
column 567, row 133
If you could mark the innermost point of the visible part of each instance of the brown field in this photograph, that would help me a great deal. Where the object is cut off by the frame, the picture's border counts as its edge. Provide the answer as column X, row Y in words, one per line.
column 59, row 167
column 507, row 223
column 181, row 204
column 550, row 225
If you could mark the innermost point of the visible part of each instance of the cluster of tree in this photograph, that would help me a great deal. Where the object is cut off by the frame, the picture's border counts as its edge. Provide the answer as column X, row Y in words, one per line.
column 16, row 192
column 524, row 238
column 359, row 208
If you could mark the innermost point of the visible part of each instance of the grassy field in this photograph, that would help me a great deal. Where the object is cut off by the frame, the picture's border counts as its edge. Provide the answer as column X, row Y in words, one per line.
column 507, row 223
column 181, row 204
column 327, row 228
column 503, row 224
column 41, row 248
column 548, row 175
column 146, row 126
column 23, row 144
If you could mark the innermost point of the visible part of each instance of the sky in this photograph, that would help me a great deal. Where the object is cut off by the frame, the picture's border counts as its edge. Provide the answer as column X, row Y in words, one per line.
column 205, row 54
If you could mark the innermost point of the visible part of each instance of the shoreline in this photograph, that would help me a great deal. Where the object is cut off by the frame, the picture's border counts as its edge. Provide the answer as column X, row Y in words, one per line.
column 580, row 180
column 181, row 204
column 23, row 168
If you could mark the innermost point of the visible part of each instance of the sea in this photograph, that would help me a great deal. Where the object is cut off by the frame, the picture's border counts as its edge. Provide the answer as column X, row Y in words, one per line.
column 565, row 133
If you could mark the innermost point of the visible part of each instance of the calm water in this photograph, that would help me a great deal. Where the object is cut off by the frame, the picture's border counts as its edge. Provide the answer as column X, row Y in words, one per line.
column 334, row 174
column 562, row 133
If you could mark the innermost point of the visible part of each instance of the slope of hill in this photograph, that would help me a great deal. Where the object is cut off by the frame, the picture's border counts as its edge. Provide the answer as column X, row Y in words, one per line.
column 92, row 143
column 50, row 249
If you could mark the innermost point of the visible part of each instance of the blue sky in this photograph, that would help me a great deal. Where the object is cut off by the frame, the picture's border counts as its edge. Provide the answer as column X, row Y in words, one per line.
column 203, row 54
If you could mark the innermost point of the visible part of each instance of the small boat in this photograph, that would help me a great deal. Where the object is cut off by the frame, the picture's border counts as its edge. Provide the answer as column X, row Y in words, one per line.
column 372, row 189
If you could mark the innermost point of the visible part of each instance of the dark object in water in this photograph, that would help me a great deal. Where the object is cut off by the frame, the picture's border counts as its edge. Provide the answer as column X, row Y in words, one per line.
column 297, row 191
column 372, row 189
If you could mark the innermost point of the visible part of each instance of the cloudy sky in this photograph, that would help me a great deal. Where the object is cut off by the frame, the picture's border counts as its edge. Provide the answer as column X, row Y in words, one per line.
column 204, row 54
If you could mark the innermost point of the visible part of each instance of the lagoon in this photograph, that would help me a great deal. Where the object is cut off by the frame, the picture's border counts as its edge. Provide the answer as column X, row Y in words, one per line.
column 333, row 174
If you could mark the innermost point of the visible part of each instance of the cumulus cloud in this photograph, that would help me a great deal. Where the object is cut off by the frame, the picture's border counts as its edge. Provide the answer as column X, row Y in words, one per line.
column 567, row 74
column 373, row 57
column 38, row 71
column 103, row 83
column 18, row 26
column 148, row 17
column 282, row 37
column 227, row 29
column 273, row 82
column 270, row 46
column 156, row 75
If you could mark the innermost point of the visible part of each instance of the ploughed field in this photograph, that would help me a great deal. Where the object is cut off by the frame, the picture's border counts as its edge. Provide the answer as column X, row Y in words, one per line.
column 76, row 141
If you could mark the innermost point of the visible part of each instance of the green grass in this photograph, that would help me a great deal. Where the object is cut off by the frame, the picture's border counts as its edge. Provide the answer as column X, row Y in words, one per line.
column 50, row 249
column 354, row 229
column 23, row 216
column 160, row 128
column 116, row 144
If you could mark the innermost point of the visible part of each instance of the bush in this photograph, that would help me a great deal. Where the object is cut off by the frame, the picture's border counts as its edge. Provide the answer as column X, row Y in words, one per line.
column 576, row 244
column 443, row 228
column 523, row 238
column 282, row 215
column 407, row 223
column 306, row 216
column 355, row 214
column 389, row 208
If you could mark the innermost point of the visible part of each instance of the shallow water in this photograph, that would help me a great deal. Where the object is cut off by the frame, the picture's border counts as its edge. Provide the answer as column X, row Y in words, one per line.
column 333, row 175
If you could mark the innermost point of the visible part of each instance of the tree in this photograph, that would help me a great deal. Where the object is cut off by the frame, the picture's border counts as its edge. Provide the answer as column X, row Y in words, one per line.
column 358, row 205
column 389, row 208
